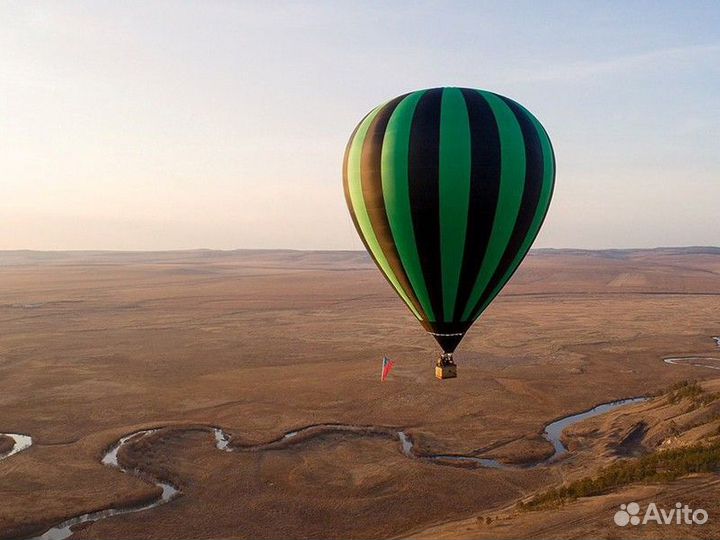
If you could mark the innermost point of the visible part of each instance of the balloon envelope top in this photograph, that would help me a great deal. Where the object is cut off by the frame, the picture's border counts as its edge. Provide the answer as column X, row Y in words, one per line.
column 448, row 188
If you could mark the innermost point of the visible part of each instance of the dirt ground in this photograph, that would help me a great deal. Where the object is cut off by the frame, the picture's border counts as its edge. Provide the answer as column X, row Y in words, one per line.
column 592, row 517
column 96, row 345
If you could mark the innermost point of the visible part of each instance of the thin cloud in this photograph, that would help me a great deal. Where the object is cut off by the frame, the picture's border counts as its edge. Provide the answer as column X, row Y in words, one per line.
column 578, row 71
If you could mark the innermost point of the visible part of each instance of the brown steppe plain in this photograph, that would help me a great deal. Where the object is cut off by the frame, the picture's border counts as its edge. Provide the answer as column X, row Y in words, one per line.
column 96, row 345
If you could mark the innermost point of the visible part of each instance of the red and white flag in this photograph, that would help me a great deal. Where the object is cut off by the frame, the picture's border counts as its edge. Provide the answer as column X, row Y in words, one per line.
column 387, row 365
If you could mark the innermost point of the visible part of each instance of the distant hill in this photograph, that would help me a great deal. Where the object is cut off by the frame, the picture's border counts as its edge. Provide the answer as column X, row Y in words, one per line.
column 630, row 252
column 298, row 258
column 254, row 257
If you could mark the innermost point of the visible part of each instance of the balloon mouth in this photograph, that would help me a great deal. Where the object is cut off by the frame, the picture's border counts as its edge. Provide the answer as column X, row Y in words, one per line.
column 447, row 334
column 448, row 341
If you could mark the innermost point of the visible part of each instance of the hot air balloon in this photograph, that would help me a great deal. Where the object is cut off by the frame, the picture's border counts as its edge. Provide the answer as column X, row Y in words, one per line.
column 448, row 188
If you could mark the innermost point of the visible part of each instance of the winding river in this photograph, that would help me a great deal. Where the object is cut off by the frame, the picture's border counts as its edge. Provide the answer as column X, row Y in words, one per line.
column 64, row 529
column 693, row 361
column 696, row 360
column 552, row 433
column 223, row 442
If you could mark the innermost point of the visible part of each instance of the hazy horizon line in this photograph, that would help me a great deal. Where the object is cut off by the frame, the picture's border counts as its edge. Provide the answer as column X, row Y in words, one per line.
column 25, row 250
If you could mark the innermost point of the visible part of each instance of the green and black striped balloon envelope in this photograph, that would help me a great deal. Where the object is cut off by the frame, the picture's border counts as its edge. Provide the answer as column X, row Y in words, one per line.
column 448, row 188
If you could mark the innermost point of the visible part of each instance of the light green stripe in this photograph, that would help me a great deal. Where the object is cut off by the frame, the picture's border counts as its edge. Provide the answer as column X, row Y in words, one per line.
column 354, row 171
column 512, row 183
column 454, row 192
column 396, row 193
column 548, row 183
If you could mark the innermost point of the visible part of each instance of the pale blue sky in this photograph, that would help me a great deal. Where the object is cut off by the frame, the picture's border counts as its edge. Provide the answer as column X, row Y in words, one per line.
column 163, row 125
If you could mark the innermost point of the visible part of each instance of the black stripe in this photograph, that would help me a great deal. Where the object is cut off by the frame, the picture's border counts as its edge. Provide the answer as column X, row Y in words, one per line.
column 530, row 199
column 484, row 190
column 424, row 185
column 371, row 181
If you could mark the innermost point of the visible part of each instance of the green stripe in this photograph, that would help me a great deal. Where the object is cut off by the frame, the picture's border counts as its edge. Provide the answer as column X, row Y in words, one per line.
column 396, row 193
column 454, row 192
column 512, row 183
column 354, row 171
column 548, row 184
